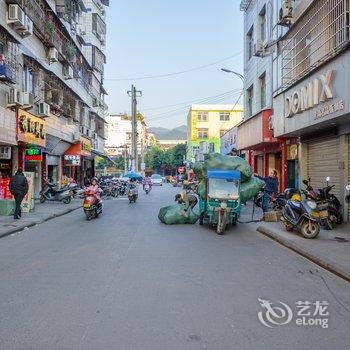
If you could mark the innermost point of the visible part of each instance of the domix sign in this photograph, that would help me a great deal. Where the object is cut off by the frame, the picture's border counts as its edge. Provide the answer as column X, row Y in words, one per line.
column 317, row 91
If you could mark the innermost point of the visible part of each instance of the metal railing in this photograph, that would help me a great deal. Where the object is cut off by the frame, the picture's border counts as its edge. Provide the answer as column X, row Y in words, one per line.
column 320, row 34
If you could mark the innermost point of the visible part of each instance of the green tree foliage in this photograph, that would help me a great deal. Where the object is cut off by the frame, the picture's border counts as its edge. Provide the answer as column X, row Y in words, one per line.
column 165, row 161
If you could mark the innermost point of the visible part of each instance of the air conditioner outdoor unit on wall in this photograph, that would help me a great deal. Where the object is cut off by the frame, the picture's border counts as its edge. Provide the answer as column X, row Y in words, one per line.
column 15, row 15
column 28, row 99
column 53, row 54
column 14, row 98
column 68, row 72
column 43, row 109
column 28, row 30
column 259, row 48
column 286, row 13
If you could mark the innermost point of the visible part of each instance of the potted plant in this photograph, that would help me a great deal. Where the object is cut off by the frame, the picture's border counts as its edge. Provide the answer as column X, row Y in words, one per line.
column 49, row 29
column 70, row 51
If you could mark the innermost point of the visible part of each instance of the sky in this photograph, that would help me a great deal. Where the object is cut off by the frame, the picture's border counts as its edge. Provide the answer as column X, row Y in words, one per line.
column 159, row 37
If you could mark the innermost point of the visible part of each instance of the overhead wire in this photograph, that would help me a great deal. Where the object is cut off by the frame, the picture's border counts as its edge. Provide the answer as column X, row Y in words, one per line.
column 176, row 73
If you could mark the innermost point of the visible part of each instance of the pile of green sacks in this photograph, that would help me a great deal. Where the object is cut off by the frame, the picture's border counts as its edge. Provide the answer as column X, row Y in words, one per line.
column 175, row 214
column 250, row 185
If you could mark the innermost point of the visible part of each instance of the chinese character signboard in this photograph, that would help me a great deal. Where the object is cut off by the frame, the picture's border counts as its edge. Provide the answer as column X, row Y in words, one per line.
column 194, row 130
column 33, row 154
column 72, row 160
column 30, row 129
column 86, row 146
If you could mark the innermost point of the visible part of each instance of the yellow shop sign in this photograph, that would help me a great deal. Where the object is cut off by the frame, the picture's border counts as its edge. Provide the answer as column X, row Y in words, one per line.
column 30, row 129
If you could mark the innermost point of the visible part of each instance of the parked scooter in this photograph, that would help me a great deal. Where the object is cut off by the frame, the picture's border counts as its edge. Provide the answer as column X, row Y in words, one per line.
column 51, row 193
column 331, row 212
column 92, row 205
column 301, row 215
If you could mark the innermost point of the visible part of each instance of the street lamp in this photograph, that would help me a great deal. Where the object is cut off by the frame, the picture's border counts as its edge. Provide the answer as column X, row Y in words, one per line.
column 239, row 75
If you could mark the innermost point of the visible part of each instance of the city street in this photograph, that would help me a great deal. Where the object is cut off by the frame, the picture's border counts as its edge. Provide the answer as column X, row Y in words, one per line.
column 126, row 281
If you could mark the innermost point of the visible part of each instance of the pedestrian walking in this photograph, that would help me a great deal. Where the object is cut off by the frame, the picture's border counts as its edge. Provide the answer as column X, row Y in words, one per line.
column 19, row 188
column 270, row 189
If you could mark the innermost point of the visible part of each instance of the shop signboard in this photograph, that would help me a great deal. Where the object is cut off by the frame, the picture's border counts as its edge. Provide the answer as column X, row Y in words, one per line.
column 228, row 141
column 194, row 128
column 30, row 129
column 28, row 200
column 7, row 126
column 72, row 160
column 86, row 146
column 33, row 154
column 5, row 152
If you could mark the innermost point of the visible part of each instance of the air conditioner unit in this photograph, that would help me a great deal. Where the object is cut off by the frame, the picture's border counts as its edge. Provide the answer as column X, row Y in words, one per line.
column 68, row 72
column 15, row 16
column 14, row 98
column 76, row 136
column 53, row 54
column 5, row 152
column 259, row 48
column 286, row 13
column 28, row 99
column 43, row 109
column 28, row 27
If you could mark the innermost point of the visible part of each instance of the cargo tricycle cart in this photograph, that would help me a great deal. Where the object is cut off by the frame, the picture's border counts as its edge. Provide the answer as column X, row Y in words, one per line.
column 221, row 206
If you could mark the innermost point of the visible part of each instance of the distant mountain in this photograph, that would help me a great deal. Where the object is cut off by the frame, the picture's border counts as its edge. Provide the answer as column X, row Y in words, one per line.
column 179, row 133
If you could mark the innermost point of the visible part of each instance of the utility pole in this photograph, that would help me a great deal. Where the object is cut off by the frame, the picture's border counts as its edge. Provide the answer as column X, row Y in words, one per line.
column 134, row 154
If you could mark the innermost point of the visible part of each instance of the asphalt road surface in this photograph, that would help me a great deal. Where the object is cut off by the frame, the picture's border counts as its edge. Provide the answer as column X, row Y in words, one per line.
column 126, row 281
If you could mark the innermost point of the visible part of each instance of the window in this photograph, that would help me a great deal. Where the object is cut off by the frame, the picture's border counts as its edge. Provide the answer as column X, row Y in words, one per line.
column 202, row 133
column 250, row 44
column 262, row 24
column 250, row 101
column 262, row 81
column 202, row 116
column 28, row 79
column 225, row 116
column 223, row 132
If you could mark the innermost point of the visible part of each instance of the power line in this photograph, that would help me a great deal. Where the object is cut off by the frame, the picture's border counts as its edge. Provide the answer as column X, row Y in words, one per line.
column 192, row 101
column 176, row 73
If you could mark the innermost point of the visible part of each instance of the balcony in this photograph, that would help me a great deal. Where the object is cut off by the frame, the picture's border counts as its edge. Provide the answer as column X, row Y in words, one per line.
column 99, row 27
column 6, row 73
column 98, row 59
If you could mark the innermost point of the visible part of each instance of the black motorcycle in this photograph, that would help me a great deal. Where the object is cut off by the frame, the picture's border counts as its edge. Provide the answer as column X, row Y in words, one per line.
column 301, row 215
column 51, row 193
column 331, row 211
column 132, row 194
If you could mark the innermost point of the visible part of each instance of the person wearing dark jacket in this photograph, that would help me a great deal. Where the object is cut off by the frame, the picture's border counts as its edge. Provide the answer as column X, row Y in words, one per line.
column 18, row 187
column 270, row 189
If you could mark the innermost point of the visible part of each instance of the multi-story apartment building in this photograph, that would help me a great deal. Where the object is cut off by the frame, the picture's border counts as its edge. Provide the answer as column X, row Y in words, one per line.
column 255, row 134
column 311, row 89
column 119, row 136
column 51, row 86
column 205, row 126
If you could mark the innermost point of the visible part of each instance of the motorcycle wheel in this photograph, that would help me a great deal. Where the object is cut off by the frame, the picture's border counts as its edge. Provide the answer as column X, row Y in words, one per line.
column 42, row 199
column 310, row 229
column 67, row 200
column 220, row 229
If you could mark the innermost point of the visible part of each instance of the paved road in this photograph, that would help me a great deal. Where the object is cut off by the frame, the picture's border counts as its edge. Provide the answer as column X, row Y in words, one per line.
column 125, row 281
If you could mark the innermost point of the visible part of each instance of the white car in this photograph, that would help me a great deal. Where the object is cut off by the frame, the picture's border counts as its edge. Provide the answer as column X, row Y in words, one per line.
column 156, row 180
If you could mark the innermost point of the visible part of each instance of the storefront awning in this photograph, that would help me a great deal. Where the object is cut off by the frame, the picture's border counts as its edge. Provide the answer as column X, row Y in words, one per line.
column 103, row 155
column 55, row 145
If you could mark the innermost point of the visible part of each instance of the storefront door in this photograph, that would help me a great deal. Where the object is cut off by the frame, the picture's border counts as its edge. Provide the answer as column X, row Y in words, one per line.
column 292, row 174
column 35, row 167
column 322, row 162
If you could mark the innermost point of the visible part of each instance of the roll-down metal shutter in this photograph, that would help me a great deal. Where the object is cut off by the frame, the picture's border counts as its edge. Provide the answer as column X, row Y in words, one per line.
column 322, row 161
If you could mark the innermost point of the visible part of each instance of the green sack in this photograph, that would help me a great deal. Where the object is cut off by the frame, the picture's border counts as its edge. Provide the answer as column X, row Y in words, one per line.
column 217, row 161
column 173, row 214
column 250, row 189
column 202, row 190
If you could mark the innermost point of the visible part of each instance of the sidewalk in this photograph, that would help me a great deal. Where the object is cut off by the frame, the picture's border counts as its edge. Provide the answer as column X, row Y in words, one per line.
column 41, row 213
column 330, row 250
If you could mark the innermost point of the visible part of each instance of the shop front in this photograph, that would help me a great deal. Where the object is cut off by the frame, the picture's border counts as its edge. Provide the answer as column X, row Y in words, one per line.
column 264, row 151
column 78, row 161
column 317, row 109
column 8, row 143
column 31, row 136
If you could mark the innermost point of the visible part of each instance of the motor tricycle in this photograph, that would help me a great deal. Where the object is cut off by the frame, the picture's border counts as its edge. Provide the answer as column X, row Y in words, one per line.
column 221, row 206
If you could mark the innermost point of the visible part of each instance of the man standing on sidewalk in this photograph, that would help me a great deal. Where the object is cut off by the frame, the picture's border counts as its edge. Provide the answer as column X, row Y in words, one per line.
column 18, row 188
column 270, row 189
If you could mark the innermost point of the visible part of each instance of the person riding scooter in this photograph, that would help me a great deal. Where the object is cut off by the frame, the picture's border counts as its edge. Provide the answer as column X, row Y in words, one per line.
column 147, row 181
column 92, row 200
column 94, row 188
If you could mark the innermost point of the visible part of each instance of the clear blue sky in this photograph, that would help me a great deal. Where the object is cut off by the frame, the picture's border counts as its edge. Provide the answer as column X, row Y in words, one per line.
column 157, row 37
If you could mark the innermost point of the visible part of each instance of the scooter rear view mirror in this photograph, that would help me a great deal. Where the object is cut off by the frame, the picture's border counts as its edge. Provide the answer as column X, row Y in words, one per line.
column 305, row 182
column 328, row 179
column 347, row 187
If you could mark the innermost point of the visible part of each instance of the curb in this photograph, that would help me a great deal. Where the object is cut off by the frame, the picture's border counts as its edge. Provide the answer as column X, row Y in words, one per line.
column 324, row 263
column 33, row 223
